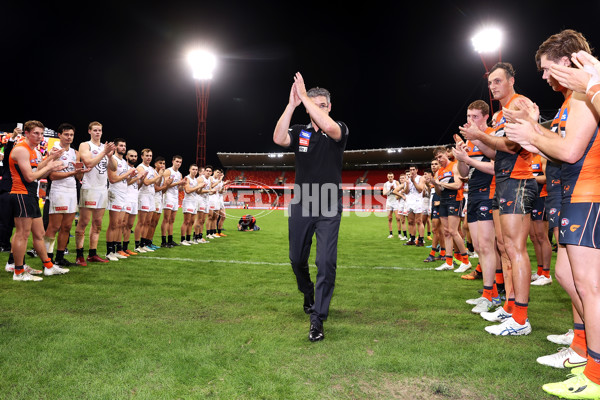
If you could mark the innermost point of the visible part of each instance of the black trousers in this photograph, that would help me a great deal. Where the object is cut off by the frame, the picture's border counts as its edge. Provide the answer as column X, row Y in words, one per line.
column 7, row 222
column 302, row 228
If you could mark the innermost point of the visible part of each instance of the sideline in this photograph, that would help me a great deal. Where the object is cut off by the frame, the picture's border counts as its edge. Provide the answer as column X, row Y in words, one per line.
column 274, row 264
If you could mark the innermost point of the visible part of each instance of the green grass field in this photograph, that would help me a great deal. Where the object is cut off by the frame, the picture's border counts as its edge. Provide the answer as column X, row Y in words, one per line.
column 224, row 320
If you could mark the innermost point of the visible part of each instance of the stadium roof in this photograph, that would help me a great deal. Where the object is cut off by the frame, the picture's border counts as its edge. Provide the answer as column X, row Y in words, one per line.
column 398, row 157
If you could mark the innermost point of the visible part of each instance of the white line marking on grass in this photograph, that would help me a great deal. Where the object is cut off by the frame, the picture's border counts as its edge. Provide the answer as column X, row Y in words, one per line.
column 274, row 264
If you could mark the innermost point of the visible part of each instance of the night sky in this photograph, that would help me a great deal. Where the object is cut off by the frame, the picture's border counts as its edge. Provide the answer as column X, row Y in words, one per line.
column 400, row 73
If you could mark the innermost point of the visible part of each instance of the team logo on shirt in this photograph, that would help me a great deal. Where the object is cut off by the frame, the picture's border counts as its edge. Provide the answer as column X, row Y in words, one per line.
column 483, row 208
column 564, row 222
column 552, row 211
column 573, row 228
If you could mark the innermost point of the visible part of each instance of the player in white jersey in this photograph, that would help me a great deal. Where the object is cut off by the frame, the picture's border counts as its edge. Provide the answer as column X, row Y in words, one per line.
column 94, row 192
column 214, row 205
column 171, row 200
column 399, row 192
column 414, row 206
column 189, row 205
column 146, row 204
column 222, row 214
column 391, row 203
column 63, row 196
column 159, row 190
column 117, row 201
column 131, row 208
column 427, row 175
column 203, row 192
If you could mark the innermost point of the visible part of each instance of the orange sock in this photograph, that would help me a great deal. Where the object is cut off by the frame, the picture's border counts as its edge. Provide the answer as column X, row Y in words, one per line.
column 499, row 277
column 487, row 292
column 432, row 253
column 464, row 258
column 540, row 270
column 48, row 263
column 442, row 252
column 520, row 313
column 449, row 260
column 509, row 305
column 546, row 272
column 579, row 344
column 592, row 368
column 478, row 268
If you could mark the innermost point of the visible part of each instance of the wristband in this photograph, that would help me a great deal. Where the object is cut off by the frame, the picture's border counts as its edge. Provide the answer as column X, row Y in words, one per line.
column 593, row 91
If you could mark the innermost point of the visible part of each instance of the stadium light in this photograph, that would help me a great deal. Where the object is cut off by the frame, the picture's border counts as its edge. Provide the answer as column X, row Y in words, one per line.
column 203, row 64
column 487, row 40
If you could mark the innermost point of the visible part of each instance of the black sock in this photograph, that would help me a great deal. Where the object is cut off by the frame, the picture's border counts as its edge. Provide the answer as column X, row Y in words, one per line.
column 137, row 244
column 187, row 238
column 404, row 233
column 118, row 246
column 51, row 256
column 79, row 252
column 170, row 239
column 163, row 240
column 391, row 232
column 125, row 245
column 60, row 254
column 183, row 238
column 92, row 252
column 11, row 258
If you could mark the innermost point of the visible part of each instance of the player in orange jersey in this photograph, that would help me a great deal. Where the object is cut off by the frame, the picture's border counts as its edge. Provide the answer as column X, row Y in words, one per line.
column 26, row 167
column 579, row 150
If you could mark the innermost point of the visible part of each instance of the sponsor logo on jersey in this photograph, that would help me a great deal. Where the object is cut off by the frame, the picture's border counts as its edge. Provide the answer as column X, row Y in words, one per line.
column 90, row 203
column 61, row 208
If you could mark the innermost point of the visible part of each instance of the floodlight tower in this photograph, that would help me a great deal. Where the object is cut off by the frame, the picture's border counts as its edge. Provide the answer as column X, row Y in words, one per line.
column 487, row 43
column 203, row 63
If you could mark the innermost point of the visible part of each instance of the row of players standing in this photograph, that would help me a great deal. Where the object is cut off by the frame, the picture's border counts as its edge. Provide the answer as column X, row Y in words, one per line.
column 109, row 179
column 502, row 210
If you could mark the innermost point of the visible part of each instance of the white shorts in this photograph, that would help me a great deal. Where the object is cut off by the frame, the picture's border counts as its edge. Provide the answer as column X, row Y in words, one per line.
column 170, row 203
column 414, row 206
column 214, row 204
column 158, row 203
column 131, row 208
column 426, row 205
column 202, row 205
column 189, row 206
column 402, row 207
column 392, row 205
column 116, row 201
column 63, row 201
column 146, row 202
column 93, row 198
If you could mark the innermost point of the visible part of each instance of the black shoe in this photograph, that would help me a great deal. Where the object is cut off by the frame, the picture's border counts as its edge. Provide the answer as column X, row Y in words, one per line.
column 32, row 253
column 420, row 244
column 64, row 263
column 66, row 251
column 4, row 249
column 429, row 258
column 164, row 244
column 309, row 302
column 173, row 244
column 315, row 333
column 410, row 243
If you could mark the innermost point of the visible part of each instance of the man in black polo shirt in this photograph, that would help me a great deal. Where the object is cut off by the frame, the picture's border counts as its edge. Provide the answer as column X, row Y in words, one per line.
column 317, row 203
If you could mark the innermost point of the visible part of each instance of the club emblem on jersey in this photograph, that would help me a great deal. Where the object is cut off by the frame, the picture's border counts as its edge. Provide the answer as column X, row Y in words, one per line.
column 564, row 222
column 552, row 211
column 573, row 228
